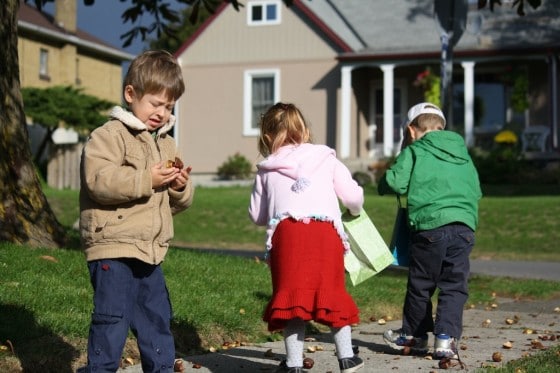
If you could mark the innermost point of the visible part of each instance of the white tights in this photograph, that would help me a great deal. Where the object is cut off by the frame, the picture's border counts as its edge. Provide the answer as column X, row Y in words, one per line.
column 294, row 333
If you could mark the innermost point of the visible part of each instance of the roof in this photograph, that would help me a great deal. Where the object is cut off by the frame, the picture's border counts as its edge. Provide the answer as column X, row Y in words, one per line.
column 383, row 29
column 378, row 27
column 33, row 20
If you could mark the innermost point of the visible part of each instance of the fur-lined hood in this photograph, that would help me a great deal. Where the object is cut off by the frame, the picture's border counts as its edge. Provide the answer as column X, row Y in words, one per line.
column 131, row 121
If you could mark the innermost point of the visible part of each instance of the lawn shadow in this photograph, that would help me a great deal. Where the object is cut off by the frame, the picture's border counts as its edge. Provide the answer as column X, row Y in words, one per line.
column 38, row 348
column 187, row 340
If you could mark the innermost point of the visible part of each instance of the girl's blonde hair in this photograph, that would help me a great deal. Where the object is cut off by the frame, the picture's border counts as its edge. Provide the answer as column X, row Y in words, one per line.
column 281, row 125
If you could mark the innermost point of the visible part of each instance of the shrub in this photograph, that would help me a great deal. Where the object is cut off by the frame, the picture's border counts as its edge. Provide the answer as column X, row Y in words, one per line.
column 362, row 178
column 235, row 167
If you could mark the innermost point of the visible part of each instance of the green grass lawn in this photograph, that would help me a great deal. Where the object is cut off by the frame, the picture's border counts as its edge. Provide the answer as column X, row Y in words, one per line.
column 45, row 297
column 510, row 227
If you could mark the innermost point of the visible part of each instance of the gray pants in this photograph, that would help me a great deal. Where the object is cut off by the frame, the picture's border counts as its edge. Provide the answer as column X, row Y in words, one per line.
column 439, row 259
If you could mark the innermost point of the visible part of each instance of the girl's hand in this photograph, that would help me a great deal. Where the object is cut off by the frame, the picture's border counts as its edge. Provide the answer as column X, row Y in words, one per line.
column 162, row 176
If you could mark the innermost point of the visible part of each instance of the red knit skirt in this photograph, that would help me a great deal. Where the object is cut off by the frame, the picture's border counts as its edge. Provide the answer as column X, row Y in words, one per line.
column 308, row 278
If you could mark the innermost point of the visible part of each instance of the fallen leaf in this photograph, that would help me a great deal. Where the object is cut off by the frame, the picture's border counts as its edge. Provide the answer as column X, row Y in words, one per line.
column 49, row 258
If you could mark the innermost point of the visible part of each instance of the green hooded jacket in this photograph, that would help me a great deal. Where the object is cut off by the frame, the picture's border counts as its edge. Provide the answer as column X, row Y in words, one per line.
column 438, row 176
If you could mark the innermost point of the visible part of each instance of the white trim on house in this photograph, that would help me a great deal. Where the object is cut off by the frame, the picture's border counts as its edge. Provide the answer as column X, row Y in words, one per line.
column 264, row 21
column 249, row 75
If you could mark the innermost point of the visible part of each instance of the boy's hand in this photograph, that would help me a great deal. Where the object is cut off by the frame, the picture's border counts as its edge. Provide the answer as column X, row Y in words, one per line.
column 181, row 181
column 162, row 176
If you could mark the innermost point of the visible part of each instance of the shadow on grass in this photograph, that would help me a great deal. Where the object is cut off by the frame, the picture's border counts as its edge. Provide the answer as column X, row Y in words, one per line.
column 37, row 348
column 187, row 340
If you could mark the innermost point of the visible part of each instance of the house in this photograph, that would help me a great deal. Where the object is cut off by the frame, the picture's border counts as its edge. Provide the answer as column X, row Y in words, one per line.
column 352, row 65
column 54, row 52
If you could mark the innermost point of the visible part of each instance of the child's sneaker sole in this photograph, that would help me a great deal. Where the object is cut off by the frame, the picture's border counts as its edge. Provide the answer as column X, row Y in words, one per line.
column 397, row 342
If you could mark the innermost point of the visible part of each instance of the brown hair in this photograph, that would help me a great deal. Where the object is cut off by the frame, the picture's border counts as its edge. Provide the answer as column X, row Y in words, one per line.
column 428, row 121
column 282, row 124
column 154, row 72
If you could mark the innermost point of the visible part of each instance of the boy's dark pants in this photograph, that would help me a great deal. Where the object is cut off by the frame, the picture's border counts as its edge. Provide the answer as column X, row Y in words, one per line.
column 439, row 259
column 129, row 294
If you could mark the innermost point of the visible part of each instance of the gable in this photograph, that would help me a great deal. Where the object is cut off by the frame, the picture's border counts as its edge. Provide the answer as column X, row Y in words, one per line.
column 228, row 38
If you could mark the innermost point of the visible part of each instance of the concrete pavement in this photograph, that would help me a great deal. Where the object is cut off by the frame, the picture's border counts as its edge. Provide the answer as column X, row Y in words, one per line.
column 486, row 331
column 528, row 326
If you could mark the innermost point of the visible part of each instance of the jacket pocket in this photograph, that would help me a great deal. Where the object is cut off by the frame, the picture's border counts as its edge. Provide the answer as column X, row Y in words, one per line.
column 128, row 223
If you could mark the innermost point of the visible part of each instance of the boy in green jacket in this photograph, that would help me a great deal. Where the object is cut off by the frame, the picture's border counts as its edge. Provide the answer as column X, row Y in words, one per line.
column 437, row 174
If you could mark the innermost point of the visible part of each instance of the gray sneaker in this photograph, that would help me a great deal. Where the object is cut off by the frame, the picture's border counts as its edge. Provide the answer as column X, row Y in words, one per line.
column 445, row 347
column 351, row 364
column 398, row 341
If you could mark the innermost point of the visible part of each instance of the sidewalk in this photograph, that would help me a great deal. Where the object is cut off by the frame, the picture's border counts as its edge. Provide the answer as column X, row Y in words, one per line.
column 485, row 332
column 529, row 326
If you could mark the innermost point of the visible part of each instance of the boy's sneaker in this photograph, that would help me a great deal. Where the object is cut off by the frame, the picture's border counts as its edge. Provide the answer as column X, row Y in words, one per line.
column 286, row 369
column 351, row 364
column 445, row 346
column 398, row 340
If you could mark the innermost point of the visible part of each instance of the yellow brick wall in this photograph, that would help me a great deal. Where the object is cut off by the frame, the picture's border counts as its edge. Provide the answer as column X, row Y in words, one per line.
column 97, row 77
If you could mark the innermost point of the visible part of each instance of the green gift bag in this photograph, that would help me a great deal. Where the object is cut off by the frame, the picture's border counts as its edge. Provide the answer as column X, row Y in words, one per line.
column 368, row 254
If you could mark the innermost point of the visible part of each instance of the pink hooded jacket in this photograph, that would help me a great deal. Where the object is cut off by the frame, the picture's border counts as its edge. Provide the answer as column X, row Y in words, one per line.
column 304, row 181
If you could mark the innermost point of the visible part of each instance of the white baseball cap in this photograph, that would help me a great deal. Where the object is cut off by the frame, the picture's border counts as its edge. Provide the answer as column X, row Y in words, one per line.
column 424, row 108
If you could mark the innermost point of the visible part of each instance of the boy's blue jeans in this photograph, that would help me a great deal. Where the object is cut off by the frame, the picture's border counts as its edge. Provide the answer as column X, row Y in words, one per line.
column 129, row 294
column 439, row 259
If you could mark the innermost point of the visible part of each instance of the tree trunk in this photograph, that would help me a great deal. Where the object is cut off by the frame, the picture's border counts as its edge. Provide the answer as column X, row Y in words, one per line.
column 25, row 215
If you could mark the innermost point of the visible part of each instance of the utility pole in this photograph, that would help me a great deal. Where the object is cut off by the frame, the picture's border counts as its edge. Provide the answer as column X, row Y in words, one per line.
column 451, row 17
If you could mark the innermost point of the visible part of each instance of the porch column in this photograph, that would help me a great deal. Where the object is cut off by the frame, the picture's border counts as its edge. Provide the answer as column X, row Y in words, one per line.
column 346, row 90
column 388, row 115
column 469, row 102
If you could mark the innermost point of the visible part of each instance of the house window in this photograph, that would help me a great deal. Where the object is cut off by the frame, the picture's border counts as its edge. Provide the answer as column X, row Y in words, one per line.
column 265, row 12
column 260, row 92
column 44, row 64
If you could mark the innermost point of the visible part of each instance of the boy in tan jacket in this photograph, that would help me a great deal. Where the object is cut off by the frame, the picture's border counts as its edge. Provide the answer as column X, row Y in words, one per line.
column 132, row 183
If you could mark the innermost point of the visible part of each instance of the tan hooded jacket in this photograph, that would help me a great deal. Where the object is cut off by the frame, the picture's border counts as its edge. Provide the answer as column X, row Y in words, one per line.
column 121, row 216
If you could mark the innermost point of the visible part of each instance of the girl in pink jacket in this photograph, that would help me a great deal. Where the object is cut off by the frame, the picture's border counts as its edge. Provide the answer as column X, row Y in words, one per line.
column 296, row 195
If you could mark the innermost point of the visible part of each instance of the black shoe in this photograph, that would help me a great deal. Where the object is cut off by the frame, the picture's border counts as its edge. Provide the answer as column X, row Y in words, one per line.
column 350, row 365
column 284, row 368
